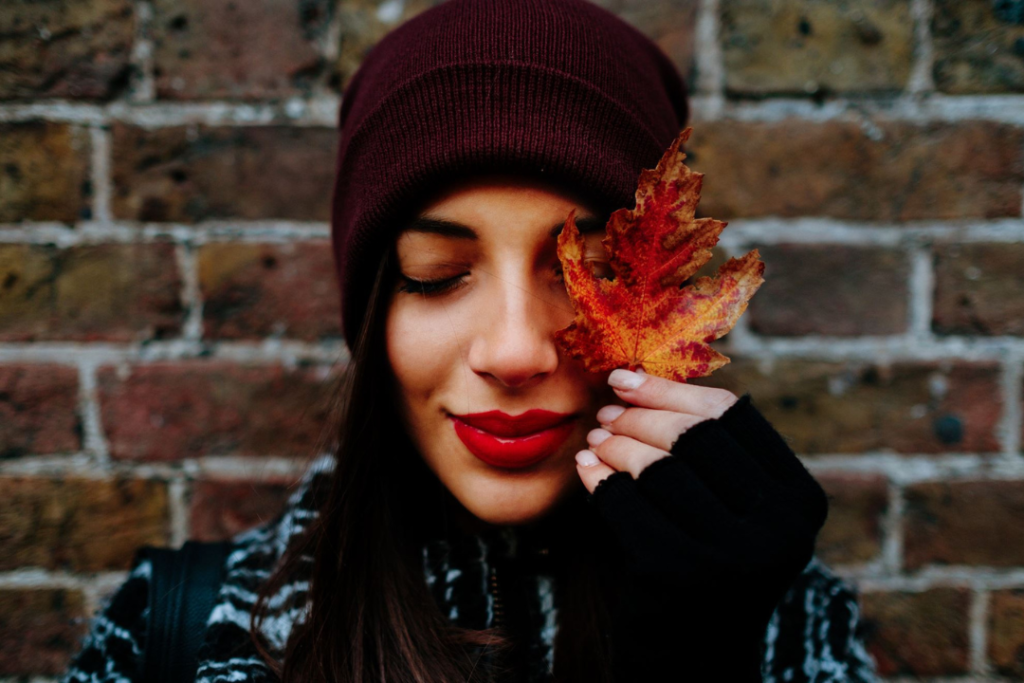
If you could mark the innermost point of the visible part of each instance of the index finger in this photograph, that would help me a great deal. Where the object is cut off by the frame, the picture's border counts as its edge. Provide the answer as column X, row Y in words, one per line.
column 659, row 393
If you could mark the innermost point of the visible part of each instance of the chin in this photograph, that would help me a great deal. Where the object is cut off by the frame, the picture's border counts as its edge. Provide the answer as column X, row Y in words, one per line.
column 506, row 498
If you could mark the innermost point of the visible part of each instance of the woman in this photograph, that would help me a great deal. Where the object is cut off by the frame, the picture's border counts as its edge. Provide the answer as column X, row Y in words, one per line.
column 492, row 512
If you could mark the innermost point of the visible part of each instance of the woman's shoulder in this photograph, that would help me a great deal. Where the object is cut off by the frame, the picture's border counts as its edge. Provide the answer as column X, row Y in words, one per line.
column 816, row 634
column 114, row 645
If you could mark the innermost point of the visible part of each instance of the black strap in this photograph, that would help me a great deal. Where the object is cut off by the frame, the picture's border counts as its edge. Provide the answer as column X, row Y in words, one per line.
column 183, row 589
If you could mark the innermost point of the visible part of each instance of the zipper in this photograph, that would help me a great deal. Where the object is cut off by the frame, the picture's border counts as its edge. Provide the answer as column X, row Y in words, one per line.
column 497, row 601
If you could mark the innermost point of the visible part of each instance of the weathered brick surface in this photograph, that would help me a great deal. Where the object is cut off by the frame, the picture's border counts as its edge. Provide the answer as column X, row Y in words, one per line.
column 669, row 23
column 111, row 292
column 65, row 48
column 853, row 407
column 44, row 171
column 226, row 49
column 964, row 523
column 363, row 24
column 170, row 411
column 38, row 410
column 810, row 46
column 887, row 171
column 40, row 629
column 978, row 289
column 252, row 291
column 188, row 173
column 853, row 530
column 831, row 290
column 979, row 46
column 220, row 509
column 79, row 524
column 1006, row 632
column 922, row 634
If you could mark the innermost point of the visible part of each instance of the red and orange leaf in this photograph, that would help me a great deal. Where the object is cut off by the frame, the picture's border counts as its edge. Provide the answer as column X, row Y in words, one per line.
column 642, row 317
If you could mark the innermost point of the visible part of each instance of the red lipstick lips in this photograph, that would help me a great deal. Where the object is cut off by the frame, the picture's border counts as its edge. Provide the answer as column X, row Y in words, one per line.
column 513, row 441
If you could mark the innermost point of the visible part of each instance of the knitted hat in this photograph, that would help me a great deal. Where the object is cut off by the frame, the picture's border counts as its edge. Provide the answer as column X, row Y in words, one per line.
column 554, row 89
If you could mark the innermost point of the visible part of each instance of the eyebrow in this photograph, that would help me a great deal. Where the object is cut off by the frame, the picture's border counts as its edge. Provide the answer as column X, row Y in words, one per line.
column 448, row 228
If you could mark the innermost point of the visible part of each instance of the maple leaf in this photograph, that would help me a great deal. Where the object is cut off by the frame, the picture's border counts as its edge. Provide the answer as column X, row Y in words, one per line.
column 643, row 317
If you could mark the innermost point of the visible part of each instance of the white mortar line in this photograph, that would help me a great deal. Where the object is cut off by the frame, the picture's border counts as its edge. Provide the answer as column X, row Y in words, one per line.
column 1012, row 387
column 44, row 578
column 236, row 467
column 177, row 493
column 91, row 232
column 921, row 80
column 911, row 108
column 269, row 351
column 142, row 87
column 978, row 631
column 912, row 468
column 979, row 578
column 93, row 438
column 710, row 61
column 191, row 298
column 100, row 174
column 921, row 284
column 892, row 531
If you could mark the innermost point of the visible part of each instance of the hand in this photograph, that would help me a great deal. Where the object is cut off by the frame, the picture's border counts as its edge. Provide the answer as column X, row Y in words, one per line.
column 714, row 517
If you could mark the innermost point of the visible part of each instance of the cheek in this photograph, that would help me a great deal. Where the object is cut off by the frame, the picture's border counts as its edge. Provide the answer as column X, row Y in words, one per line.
column 422, row 352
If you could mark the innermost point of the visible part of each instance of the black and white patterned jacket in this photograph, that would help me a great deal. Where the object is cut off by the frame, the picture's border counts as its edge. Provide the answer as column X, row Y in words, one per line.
column 814, row 634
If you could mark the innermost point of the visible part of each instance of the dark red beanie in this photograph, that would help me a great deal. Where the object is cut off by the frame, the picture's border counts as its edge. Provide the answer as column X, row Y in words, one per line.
column 555, row 89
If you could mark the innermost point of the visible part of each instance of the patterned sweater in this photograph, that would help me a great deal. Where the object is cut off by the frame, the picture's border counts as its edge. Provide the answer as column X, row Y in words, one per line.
column 814, row 634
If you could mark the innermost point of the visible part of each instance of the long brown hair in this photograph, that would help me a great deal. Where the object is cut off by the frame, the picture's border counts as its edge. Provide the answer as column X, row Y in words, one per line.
column 371, row 617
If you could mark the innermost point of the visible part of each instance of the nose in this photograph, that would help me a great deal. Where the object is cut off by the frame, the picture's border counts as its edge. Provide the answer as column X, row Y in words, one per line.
column 514, row 343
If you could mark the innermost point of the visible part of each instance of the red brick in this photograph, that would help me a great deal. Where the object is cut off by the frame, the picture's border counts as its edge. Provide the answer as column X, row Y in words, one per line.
column 977, row 46
column 224, row 49
column 908, row 407
column 885, row 171
column 964, row 523
column 193, row 173
column 978, row 289
column 38, row 410
column 40, row 630
column 810, row 47
column 857, row 504
column 219, row 509
column 44, row 172
column 1006, row 632
column 76, row 49
column 167, row 411
column 831, row 290
column 922, row 634
column 104, row 292
column 252, row 291
column 79, row 524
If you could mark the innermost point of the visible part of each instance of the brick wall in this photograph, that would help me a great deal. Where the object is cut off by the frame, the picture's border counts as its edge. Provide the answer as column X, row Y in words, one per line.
column 168, row 332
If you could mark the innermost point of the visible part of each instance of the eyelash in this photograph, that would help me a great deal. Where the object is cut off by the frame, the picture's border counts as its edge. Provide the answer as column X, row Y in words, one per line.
column 430, row 287
column 436, row 287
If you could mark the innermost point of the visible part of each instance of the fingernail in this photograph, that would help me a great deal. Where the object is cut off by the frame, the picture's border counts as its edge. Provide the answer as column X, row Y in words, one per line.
column 624, row 379
column 609, row 414
column 596, row 437
column 587, row 459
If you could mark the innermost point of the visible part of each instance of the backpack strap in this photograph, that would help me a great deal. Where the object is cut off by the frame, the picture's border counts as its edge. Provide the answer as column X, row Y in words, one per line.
column 182, row 592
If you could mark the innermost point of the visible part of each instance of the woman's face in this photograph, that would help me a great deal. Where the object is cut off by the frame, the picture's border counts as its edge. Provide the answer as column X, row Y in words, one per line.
column 494, row 407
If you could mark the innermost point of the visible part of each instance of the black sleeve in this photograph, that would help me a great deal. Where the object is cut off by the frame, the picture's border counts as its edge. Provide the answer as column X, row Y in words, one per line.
column 112, row 651
column 713, row 536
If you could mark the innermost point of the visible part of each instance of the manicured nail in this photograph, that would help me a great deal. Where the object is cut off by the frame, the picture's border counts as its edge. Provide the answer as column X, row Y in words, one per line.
column 624, row 379
column 609, row 414
column 587, row 459
column 596, row 437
